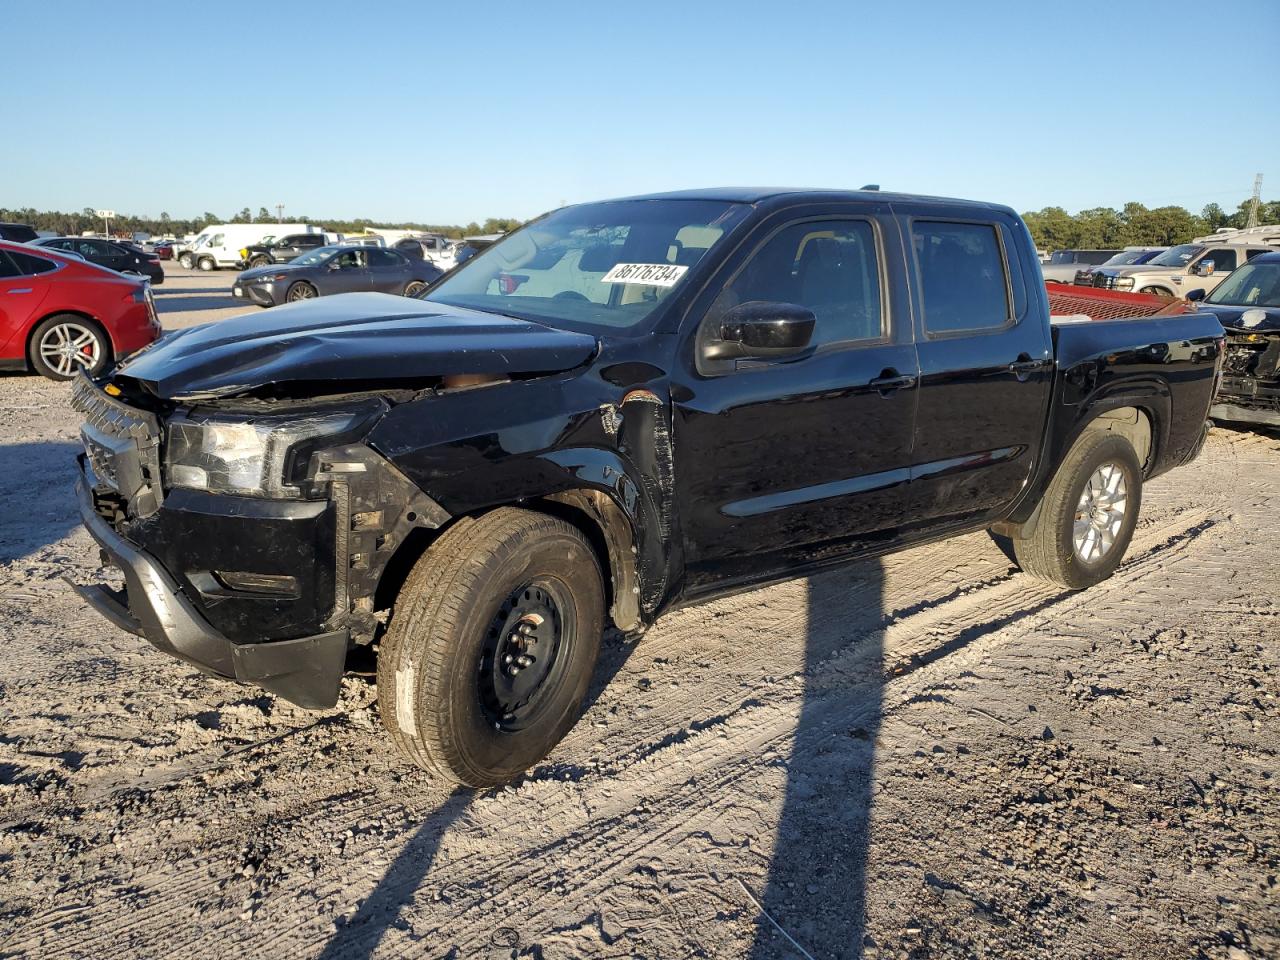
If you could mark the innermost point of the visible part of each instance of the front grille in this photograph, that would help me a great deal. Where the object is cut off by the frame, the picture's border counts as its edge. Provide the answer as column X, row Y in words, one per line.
column 122, row 444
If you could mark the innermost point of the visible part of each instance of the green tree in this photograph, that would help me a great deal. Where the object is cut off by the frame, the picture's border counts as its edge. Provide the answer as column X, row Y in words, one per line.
column 263, row 216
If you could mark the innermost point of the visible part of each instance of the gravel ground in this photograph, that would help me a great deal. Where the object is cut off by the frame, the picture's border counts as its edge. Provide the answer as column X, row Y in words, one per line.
column 929, row 755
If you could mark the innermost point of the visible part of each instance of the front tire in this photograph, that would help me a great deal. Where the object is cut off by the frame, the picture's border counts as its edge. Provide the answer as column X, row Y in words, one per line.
column 65, row 344
column 187, row 261
column 414, row 287
column 301, row 291
column 1156, row 291
column 1087, row 515
column 260, row 262
column 491, row 646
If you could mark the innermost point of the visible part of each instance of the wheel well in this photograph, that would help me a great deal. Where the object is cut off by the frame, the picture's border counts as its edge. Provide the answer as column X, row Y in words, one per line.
column 599, row 519
column 31, row 334
column 1133, row 424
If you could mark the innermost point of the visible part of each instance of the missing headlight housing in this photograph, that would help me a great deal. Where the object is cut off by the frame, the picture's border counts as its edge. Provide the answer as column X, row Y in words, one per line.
column 257, row 456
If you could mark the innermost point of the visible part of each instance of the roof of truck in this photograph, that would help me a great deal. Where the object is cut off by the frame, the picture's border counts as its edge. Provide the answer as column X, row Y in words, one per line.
column 758, row 194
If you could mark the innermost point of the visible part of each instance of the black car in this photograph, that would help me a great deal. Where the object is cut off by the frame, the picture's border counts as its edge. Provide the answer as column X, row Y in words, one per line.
column 1247, row 304
column 18, row 232
column 280, row 249
column 335, row 269
column 422, row 247
column 470, row 246
column 113, row 254
column 621, row 408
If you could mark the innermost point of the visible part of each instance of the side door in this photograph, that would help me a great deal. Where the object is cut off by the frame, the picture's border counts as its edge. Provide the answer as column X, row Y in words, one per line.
column 388, row 270
column 1223, row 261
column 782, row 463
column 346, row 272
column 986, row 364
column 22, row 290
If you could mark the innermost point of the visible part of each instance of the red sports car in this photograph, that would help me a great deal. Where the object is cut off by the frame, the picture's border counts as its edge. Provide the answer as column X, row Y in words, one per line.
column 60, row 315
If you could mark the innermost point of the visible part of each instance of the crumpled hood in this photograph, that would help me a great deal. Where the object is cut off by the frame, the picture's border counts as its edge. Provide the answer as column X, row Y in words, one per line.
column 1233, row 318
column 349, row 337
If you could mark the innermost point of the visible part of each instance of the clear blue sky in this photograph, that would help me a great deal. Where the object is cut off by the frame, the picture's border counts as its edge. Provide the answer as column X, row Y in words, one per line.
column 456, row 111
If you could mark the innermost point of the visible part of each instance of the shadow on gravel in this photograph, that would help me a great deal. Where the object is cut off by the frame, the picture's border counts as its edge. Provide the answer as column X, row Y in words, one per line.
column 37, row 496
column 814, row 901
column 187, row 304
column 359, row 937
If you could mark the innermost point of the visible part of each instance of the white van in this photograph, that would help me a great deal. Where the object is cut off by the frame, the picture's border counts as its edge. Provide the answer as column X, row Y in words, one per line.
column 219, row 244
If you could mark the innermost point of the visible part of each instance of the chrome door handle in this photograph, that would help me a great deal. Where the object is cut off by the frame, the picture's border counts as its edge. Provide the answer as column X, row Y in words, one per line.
column 1024, row 368
column 21, row 290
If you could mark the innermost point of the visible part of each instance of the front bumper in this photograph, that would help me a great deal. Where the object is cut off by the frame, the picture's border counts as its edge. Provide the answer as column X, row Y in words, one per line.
column 264, row 295
column 306, row 671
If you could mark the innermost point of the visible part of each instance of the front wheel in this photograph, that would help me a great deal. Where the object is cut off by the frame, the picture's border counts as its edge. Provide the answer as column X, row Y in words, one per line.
column 1156, row 291
column 187, row 260
column 65, row 344
column 414, row 287
column 1087, row 514
column 300, row 291
column 260, row 262
column 491, row 646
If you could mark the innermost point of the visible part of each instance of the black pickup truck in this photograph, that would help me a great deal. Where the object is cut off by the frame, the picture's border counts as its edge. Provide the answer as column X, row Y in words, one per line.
column 620, row 408
column 280, row 249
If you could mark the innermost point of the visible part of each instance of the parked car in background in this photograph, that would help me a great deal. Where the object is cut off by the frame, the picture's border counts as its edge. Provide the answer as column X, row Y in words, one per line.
column 164, row 249
column 60, row 315
column 363, row 241
column 335, row 269
column 1247, row 304
column 756, row 385
column 219, row 244
column 18, row 232
column 434, row 247
column 280, row 249
column 1125, row 258
column 1188, row 266
column 118, row 255
column 468, row 247
column 1063, row 264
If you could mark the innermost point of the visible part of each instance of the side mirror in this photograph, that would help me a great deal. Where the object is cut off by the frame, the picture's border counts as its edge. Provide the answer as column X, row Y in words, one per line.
column 761, row 330
column 1203, row 269
column 1194, row 295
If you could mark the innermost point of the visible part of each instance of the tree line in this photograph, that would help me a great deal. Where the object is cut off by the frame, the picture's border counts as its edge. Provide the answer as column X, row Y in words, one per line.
column 74, row 224
column 1053, row 228
column 1105, row 228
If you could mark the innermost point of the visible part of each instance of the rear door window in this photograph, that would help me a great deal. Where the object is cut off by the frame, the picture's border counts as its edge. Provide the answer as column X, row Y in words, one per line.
column 963, row 280
column 28, row 265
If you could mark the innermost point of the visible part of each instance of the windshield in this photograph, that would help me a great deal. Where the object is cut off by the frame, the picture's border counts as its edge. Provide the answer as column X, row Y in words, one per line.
column 268, row 241
column 1126, row 257
column 318, row 255
column 1253, row 285
column 598, row 267
column 1177, row 256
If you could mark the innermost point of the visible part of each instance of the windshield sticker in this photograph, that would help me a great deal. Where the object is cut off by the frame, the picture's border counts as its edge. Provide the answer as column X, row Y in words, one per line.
column 651, row 274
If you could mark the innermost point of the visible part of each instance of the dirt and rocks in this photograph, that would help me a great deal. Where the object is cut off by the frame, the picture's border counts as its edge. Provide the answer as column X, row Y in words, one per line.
column 926, row 756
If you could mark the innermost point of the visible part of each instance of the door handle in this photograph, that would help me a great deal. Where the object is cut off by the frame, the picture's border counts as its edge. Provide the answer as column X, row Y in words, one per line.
column 889, row 381
column 1024, row 366
column 21, row 290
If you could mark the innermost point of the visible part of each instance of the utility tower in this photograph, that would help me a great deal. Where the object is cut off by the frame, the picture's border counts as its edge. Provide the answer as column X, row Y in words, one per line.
column 1255, row 202
column 280, row 211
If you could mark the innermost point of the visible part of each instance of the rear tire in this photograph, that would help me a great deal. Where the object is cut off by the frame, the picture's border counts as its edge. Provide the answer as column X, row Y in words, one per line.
column 414, row 287
column 1087, row 515
column 207, row 264
column 492, row 589
column 64, row 344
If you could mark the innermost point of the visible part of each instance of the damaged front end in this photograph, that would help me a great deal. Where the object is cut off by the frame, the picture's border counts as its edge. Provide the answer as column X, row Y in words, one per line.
column 251, row 534
column 1250, row 390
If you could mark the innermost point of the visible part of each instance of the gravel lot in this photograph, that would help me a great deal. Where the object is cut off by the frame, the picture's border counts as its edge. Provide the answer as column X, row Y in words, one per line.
column 930, row 755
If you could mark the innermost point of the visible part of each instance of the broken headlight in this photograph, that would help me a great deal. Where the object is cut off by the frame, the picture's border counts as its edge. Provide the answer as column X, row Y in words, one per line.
column 257, row 456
